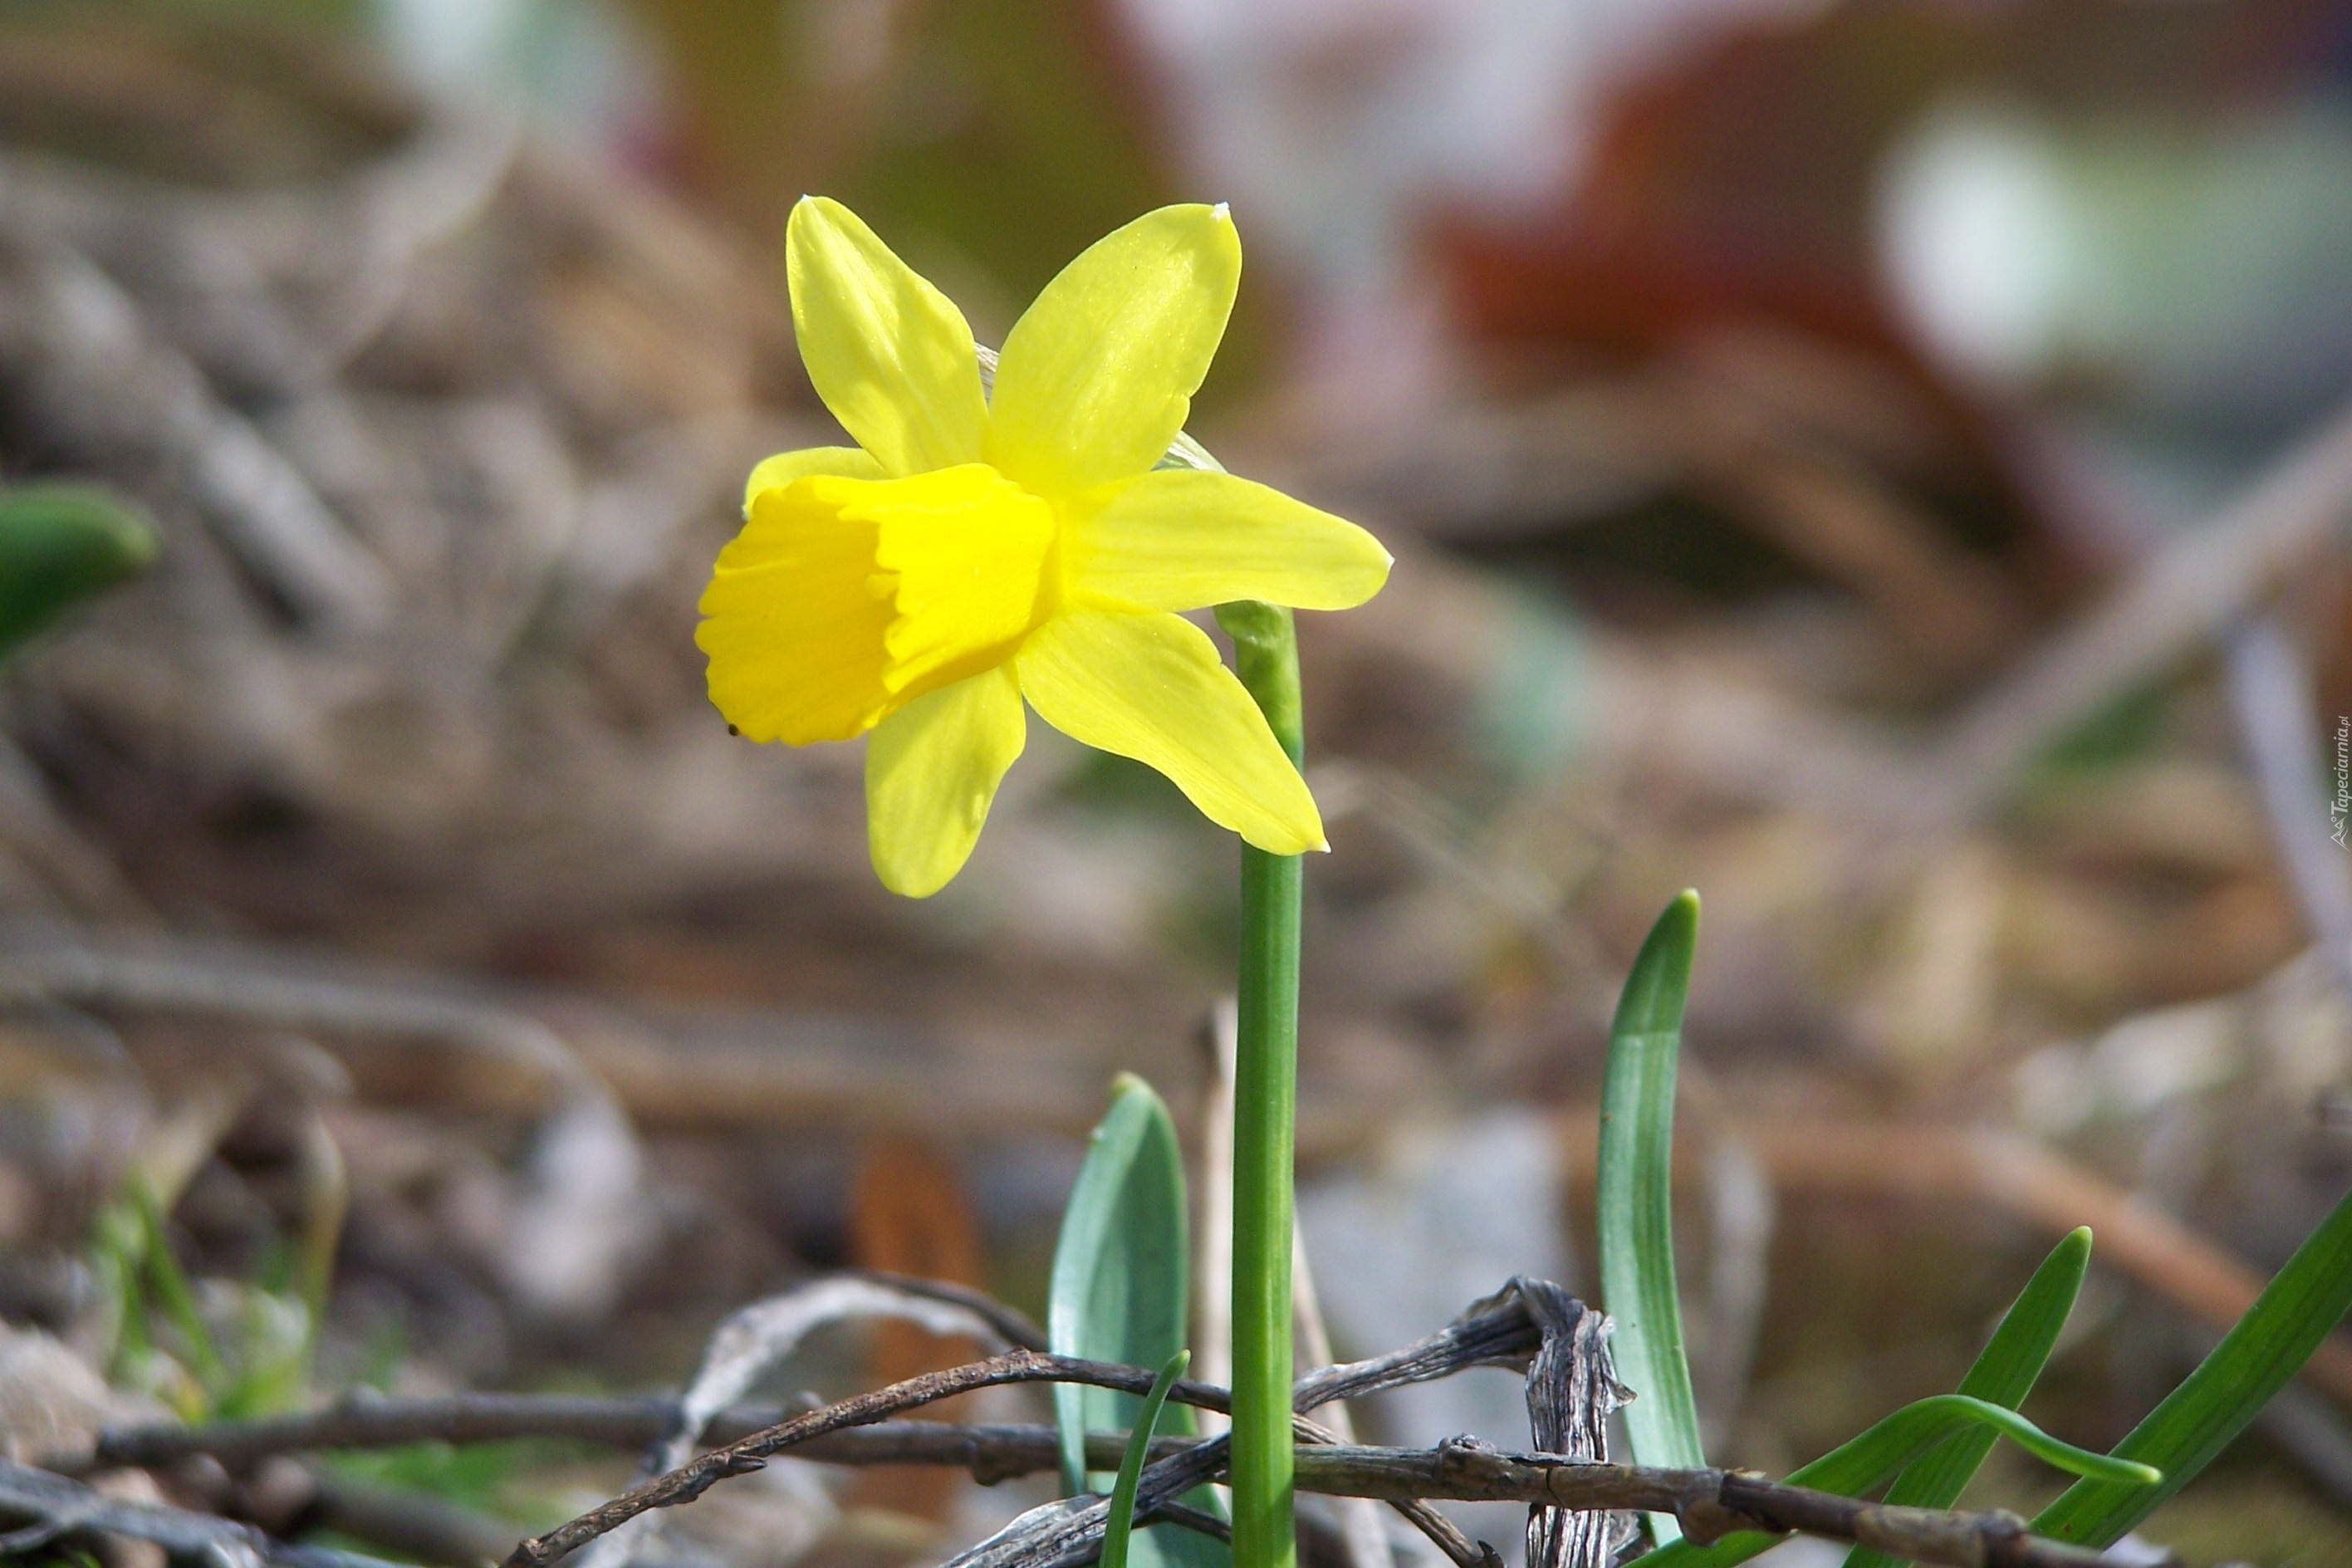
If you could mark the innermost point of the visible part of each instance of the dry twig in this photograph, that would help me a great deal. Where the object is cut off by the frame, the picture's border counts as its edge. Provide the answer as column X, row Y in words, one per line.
column 59, row 1507
column 1456, row 1471
column 2192, row 590
column 1500, row 1331
column 748, row 1454
column 1571, row 1391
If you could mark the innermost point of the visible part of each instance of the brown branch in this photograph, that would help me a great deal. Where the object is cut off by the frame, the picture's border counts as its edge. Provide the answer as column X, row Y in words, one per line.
column 991, row 1453
column 1016, row 1326
column 60, row 1508
column 1503, row 1329
column 1197, row 1520
column 1709, row 1502
column 745, row 1455
column 373, row 1423
column 1442, row 1532
column 1995, row 1540
column 1706, row 1499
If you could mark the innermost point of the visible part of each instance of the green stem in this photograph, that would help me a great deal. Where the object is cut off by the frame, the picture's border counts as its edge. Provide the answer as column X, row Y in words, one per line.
column 1265, row 1077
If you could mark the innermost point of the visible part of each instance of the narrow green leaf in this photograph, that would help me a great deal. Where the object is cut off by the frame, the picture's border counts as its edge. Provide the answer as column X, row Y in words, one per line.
column 2299, row 1308
column 1121, row 1293
column 2004, row 1373
column 60, row 544
column 1860, row 1463
column 176, row 1297
column 118, row 1254
column 1635, row 1192
column 1121, row 1523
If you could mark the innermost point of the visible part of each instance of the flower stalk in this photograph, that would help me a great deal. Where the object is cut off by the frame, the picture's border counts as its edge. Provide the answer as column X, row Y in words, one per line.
column 1266, row 1078
column 1033, row 544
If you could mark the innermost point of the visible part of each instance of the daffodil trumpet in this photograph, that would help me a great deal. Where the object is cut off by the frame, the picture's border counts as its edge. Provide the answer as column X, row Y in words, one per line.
column 1001, row 543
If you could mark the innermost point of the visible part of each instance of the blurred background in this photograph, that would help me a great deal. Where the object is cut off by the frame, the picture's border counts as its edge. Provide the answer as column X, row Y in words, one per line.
column 1878, row 462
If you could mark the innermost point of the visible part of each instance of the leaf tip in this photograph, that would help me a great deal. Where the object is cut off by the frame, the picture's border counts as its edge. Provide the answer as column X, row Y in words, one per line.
column 1659, row 982
column 1676, row 928
column 1681, row 915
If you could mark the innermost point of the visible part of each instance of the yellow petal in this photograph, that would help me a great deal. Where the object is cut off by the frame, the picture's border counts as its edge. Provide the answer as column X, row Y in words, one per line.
column 1098, row 374
column 891, row 355
column 842, row 462
column 1180, row 539
column 931, row 769
column 796, row 618
column 1151, row 686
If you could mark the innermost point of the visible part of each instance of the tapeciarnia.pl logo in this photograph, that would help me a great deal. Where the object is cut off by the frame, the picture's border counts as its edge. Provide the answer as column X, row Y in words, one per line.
column 2339, row 810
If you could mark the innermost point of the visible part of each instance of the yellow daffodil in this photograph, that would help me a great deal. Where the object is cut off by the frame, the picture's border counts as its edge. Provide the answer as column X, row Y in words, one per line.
column 978, row 548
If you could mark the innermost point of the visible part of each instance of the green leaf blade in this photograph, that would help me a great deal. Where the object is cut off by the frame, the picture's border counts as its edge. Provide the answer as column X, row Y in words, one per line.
column 2297, row 1310
column 60, row 544
column 2004, row 1373
column 1120, row 1271
column 1636, row 1198
column 1868, row 1460
column 1121, row 1524
column 1121, row 1293
column 176, row 1297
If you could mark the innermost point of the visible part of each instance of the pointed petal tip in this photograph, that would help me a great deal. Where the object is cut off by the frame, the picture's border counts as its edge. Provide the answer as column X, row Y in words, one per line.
column 1096, row 378
column 1223, row 212
column 888, row 354
column 1289, row 843
column 931, row 770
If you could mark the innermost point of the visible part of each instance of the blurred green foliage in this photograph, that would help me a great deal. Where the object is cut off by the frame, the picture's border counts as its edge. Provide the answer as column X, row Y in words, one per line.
column 515, row 1482
column 2126, row 731
column 228, row 1351
column 223, row 1349
column 60, row 544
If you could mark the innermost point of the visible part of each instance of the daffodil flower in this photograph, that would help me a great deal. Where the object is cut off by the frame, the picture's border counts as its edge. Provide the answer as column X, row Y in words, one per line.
column 979, row 548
